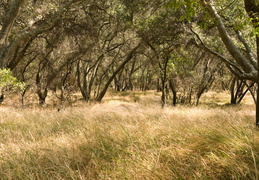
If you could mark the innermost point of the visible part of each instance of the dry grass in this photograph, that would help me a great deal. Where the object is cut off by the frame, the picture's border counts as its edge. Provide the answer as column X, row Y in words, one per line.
column 121, row 139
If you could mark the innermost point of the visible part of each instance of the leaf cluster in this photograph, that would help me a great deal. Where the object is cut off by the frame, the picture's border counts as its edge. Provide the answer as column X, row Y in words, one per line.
column 9, row 82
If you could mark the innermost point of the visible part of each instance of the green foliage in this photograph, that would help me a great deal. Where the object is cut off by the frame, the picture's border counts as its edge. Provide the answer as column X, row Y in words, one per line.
column 189, row 7
column 9, row 82
column 234, row 14
column 180, row 63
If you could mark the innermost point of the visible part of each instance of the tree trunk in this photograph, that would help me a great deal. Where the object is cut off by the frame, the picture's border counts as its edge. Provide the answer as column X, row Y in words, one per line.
column 82, row 85
column 250, row 66
column 132, row 70
column 7, row 49
column 232, row 91
column 257, row 101
column 163, row 80
column 252, row 9
column 173, row 89
column 1, row 98
column 42, row 96
column 128, row 58
column 244, row 93
column 23, row 96
column 247, row 65
column 158, row 86
column 163, row 94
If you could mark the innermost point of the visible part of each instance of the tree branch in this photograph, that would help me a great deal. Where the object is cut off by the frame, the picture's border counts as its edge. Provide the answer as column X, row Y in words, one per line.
column 6, row 52
column 9, row 20
column 232, row 64
column 248, row 49
column 228, row 42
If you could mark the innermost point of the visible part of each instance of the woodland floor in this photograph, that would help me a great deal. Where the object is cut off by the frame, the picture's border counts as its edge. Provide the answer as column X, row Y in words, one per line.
column 129, row 136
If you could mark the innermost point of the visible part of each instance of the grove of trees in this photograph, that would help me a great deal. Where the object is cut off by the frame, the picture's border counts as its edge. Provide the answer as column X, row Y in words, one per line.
column 178, row 47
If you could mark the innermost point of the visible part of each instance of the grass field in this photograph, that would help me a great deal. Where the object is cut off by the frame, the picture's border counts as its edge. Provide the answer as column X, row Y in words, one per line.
column 129, row 136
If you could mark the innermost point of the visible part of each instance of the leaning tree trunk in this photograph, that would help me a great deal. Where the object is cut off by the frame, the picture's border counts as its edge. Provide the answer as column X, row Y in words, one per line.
column 238, row 91
column 246, row 67
column 128, row 58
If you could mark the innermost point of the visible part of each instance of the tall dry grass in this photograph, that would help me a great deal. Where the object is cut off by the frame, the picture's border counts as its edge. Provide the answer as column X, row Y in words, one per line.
column 129, row 137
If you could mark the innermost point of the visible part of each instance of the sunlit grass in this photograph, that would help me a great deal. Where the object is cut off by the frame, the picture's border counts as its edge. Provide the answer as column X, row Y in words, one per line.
column 128, row 139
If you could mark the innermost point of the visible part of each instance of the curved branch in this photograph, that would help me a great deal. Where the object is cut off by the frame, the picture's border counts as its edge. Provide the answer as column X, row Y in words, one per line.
column 9, row 20
column 228, row 42
column 6, row 52
column 248, row 49
column 216, row 53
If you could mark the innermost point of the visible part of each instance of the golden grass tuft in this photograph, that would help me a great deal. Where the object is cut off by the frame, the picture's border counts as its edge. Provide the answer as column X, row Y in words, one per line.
column 123, row 139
